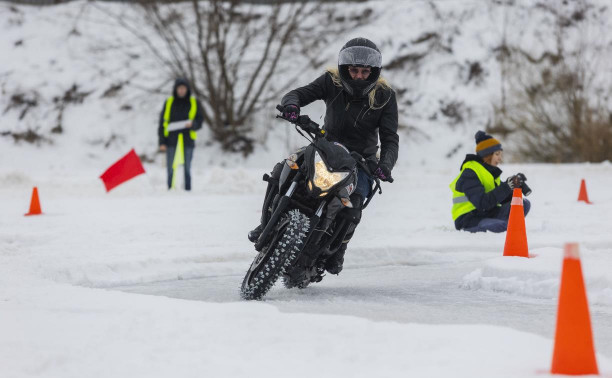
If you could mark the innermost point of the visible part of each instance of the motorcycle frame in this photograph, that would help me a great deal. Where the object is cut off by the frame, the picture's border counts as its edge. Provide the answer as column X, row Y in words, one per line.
column 330, row 205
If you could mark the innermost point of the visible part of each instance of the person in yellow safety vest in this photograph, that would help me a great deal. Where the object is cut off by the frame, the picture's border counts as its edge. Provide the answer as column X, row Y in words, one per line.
column 481, row 201
column 180, row 118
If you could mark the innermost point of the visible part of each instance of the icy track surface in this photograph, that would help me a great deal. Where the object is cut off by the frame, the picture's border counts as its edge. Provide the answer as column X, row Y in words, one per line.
column 416, row 298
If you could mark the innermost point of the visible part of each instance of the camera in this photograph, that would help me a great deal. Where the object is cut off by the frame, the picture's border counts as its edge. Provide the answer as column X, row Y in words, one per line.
column 525, row 189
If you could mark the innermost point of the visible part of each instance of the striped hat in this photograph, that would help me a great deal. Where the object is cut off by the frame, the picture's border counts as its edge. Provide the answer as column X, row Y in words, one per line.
column 486, row 144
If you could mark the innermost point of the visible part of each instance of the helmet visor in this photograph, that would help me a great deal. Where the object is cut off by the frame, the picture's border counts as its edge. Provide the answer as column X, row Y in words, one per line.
column 360, row 56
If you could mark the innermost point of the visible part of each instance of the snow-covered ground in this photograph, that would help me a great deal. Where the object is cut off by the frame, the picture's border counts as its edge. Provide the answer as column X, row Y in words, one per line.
column 417, row 298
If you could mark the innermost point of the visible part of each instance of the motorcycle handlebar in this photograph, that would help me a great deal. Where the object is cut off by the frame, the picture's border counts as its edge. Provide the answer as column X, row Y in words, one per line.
column 302, row 121
column 307, row 124
column 363, row 164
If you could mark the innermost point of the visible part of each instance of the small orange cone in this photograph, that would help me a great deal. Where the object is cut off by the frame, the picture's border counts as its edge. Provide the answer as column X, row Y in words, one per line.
column 574, row 353
column 516, row 237
column 34, row 203
column 582, row 195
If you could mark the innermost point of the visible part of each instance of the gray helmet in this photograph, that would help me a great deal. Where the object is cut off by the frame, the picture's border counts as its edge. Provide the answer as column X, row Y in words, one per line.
column 359, row 52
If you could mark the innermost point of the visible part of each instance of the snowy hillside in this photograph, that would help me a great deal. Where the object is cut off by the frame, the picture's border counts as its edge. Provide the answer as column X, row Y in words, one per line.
column 144, row 282
column 83, row 84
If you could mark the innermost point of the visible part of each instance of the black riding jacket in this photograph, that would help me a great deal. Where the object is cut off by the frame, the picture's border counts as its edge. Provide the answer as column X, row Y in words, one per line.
column 351, row 121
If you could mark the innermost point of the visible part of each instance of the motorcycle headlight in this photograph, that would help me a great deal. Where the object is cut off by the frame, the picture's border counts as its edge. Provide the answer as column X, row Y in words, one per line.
column 323, row 178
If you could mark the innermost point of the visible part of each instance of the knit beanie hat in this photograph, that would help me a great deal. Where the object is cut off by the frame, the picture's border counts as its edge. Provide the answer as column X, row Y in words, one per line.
column 486, row 144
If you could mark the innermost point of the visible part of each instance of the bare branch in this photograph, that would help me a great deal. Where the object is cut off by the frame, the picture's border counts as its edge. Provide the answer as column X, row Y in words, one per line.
column 272, row 66
column 273, row 25
column 230, row 52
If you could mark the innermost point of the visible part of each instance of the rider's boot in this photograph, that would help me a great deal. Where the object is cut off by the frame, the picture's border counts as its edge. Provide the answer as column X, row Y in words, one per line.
column 272, row 184
column 334, row 263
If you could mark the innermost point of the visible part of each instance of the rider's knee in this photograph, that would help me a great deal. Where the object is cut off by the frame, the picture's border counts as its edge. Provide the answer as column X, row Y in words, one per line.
column 357, row 200
column 353, row 215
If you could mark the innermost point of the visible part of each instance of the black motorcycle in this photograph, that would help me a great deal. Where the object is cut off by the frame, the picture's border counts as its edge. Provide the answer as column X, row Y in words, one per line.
column 307, row 212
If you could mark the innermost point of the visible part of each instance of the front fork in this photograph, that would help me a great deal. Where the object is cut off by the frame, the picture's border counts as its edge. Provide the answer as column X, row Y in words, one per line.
column 280, row 209
column 318, row 228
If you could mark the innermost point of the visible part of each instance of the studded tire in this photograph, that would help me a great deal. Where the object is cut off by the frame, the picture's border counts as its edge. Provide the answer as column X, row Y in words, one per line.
column 272, row 262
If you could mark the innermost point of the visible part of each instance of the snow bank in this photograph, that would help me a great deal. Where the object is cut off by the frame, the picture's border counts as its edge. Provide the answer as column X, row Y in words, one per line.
column 142, row 233
column 63, row 331
column 538, row 276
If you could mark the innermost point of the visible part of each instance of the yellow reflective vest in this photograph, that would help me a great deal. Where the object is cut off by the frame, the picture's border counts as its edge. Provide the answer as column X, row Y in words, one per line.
column 461, row 204
column 192, row 114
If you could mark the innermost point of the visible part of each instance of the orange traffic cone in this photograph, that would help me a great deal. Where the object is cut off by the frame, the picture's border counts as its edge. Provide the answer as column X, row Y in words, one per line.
column 516, row 237
column 582, row 195
column 574, row 353
column 34, row 203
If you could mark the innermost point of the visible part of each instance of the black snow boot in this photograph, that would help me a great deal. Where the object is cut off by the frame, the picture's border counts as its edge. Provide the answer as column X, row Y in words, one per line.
column 334, row 263
column 254, row 233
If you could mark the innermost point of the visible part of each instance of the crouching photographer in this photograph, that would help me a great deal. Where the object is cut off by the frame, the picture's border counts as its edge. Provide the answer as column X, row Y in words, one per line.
column 481, row 201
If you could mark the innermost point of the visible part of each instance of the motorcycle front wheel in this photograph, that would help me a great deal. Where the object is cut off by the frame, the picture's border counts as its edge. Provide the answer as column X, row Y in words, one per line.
column 273, row 260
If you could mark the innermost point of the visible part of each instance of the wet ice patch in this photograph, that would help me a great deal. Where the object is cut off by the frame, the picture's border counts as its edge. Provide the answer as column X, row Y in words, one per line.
column 134, row 264
column 413, row 255
column 147, row 270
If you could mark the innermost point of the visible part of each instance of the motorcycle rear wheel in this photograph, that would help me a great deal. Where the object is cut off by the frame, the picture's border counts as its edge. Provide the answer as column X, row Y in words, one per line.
column 272, row 262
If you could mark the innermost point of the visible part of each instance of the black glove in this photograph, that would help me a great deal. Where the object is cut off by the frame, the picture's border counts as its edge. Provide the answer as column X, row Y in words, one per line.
column 516, row 181
column 291, row 112
column 382, row 172
column 511, row 182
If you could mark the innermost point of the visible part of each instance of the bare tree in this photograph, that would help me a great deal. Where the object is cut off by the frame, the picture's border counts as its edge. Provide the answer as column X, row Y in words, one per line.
column 553, row 109
column 559, row 121
column 230, row 51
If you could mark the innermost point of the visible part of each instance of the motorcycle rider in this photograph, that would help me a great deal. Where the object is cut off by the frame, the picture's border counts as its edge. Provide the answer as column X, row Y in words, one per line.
column 360, row 108
column 481, row 202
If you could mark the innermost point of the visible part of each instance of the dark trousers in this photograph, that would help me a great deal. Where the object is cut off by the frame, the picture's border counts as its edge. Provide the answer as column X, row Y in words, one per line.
column 170, row 159
column 364, row 184
column 500, row 222
column 362, row 191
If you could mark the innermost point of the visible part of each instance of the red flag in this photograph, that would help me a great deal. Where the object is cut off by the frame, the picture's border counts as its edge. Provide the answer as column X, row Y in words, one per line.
column 124, row 169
